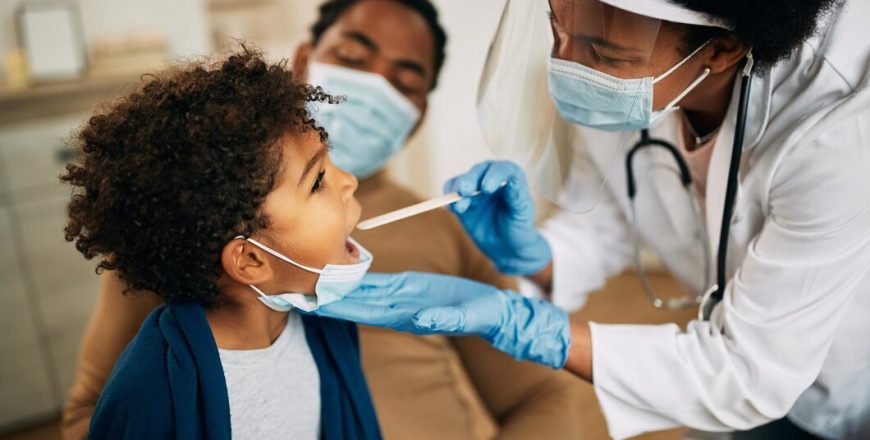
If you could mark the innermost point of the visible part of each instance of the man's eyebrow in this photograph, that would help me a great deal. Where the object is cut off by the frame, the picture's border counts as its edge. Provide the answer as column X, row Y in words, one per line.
column 363, row 39
column 602, row 42
column 311, row 162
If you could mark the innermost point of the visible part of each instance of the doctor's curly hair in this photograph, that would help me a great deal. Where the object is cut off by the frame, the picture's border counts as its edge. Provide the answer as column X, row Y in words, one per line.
column 168, row 174
column 774, row 29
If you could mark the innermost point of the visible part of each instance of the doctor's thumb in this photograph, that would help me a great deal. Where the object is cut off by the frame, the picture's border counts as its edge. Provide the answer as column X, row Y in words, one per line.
column 460, row 206
column 439, row 320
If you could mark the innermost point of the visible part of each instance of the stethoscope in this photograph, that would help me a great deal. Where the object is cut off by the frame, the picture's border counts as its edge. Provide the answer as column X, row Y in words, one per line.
column 708, row 300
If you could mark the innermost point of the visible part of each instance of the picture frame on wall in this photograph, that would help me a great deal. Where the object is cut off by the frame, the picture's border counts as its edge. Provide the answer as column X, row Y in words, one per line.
column 50, row 34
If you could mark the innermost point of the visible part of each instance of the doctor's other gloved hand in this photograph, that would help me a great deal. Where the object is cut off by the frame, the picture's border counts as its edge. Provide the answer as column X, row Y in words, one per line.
column 501, row 219
column 423, row 303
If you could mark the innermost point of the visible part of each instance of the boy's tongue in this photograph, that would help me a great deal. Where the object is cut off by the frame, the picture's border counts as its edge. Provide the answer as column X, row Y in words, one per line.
column 352, row 251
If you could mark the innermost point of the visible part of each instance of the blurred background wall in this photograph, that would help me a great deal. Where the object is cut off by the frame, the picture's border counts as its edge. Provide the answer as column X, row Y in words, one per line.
column 185, row 23
column 196, row 27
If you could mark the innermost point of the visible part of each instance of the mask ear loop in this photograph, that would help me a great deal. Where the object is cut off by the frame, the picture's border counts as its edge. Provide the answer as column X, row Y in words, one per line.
column 692, row 85
column 262, row 246
column 276, row 254
column 262, row 294
column 683, row 61
column 689, row 89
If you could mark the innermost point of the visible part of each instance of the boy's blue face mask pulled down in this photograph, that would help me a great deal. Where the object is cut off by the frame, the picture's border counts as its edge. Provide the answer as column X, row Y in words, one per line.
column 334, row 283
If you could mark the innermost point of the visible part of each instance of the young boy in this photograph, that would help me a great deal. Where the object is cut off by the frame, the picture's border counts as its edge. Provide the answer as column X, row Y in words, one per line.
column 212, row 186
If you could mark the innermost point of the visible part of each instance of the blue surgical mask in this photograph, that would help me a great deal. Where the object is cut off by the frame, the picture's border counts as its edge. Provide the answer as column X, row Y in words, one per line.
column 591, row 98
column 371, row 126
column 334, row 282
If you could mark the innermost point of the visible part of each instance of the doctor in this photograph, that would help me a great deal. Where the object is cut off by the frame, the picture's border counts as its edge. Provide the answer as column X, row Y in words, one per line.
column 782, row 339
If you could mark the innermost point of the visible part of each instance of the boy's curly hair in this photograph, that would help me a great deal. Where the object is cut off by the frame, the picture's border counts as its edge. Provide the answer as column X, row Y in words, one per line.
column 168, row 174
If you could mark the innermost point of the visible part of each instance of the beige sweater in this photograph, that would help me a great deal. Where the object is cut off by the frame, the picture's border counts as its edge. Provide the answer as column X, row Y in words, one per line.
column 427, row 387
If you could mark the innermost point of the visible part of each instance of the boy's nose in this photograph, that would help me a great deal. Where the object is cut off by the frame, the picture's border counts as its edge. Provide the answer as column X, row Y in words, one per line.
column 349, row 182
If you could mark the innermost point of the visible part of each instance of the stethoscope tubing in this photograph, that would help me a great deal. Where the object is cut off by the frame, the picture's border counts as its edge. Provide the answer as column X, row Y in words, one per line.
column 717, row 291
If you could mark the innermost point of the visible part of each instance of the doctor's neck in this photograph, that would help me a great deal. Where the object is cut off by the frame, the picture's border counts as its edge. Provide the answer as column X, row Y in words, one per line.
column 706, row 106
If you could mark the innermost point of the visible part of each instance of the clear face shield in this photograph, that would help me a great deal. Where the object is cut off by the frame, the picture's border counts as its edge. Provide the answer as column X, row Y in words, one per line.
column 565, row 90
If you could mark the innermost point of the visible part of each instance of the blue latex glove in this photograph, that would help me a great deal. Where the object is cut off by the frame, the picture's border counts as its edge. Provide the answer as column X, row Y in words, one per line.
column 501, row 219
column 423, row 303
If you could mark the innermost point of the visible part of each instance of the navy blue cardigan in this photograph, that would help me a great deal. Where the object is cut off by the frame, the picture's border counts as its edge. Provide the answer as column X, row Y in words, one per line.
column 169, row 382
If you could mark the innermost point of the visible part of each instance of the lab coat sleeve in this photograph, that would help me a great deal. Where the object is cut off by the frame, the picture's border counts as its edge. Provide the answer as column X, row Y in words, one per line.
column 587, row 249
column 779, row 313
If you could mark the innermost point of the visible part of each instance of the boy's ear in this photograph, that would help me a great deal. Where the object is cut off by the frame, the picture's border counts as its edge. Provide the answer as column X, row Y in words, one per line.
column 245, row 263
column 300, row 61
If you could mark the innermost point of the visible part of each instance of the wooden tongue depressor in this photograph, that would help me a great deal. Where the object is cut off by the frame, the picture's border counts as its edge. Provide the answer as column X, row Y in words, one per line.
column 410, row 211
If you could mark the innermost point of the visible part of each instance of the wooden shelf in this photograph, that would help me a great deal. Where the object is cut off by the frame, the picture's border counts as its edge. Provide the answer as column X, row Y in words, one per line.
column 232, row 5
column 44, row 100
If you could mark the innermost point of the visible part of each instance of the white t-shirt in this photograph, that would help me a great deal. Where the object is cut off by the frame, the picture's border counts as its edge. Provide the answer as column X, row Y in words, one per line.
column 274, row 392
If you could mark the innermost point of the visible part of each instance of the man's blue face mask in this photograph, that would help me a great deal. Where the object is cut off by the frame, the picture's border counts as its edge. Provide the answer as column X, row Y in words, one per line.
column 371, row 126
column 595, row 99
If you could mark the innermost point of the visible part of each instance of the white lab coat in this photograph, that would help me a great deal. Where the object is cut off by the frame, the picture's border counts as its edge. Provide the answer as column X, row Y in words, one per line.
column 792, row 334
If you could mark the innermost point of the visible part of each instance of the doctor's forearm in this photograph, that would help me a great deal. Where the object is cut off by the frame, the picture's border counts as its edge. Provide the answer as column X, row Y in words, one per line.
column 580, row 353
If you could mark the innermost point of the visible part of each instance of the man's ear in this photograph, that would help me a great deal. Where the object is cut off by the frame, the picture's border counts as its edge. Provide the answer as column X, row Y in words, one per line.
column 727, row 51
column 300, row 61
column 245, row 263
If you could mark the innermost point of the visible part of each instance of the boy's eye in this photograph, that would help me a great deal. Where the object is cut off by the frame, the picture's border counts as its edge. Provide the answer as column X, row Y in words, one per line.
column 318, row 182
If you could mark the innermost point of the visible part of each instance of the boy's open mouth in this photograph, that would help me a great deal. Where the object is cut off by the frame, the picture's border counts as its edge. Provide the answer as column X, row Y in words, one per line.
column 351, row 250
